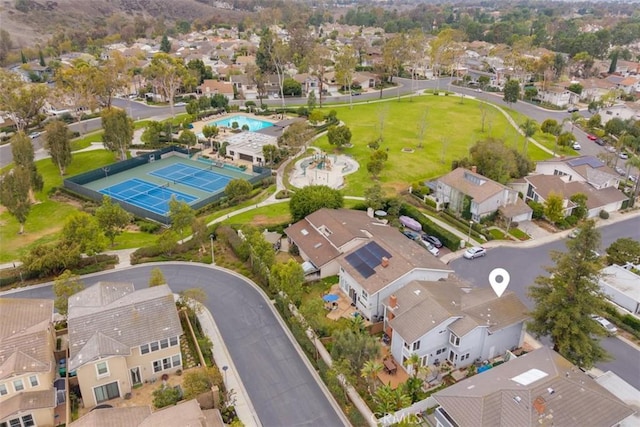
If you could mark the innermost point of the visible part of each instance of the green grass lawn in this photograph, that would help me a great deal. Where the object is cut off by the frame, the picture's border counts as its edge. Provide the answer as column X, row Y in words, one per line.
column 519, row 234
column 452, row 127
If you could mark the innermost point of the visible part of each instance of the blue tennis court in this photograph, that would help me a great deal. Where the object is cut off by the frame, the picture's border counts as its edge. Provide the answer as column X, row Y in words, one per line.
column 202, row 179
column 145, row 195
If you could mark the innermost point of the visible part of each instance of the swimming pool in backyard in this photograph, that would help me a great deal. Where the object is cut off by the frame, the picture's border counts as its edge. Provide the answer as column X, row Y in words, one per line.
column 253, row 124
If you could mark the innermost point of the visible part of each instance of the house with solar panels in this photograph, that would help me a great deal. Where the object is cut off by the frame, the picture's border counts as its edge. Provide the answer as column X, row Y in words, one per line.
column 371, row 258
column 584, row 174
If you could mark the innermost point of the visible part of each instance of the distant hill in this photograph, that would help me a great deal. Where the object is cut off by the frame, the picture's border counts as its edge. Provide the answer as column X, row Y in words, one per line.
column 31, row 21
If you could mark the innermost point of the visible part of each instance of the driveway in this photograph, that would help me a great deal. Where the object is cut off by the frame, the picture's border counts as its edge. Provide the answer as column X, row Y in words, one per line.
column 279, row 383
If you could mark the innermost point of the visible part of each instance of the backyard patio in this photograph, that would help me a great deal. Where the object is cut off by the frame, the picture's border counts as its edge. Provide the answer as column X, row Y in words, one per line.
column 340, row 305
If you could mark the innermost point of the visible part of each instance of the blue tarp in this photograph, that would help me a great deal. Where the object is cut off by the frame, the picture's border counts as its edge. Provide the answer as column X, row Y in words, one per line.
column 330, row 298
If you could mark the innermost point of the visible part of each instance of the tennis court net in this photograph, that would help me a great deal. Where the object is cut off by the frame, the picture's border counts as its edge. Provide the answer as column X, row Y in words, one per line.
column 150, row 192
column 193, row 174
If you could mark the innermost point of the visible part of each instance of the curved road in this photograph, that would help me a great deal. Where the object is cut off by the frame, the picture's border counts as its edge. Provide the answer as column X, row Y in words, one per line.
column 281, row 388
column 518, row 262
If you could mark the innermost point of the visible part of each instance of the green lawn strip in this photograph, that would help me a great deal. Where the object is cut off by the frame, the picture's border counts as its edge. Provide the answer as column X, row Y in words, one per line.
column 452, row 128
column 497, row 234
column 86, row 140
column 278, row 213
column 519, row 234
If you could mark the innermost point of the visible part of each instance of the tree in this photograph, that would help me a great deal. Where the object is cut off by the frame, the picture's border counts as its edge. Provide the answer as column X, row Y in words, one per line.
column 22, row 101
column 165, row 395
column 65, row 285
column 566, row 139
column 238, row 189
column 187, row 138
column 156, row 278
column 511, row 91
column 23, row 156
column 167, row 242
column 111, row 76
column 373, row 197
column 118, row 131
column 374, row 167
column 168, row 74
column 553, row 207
column 57, row 143
column 575, row 88
column 6, row 44
column 312, row 198
column 370, row 371
column 552, row 127
column 580, row 200
column 345, row 67
column 568, row 296
column 112, row 219
column 339, row 136
column 181, row 215
column 498, row 162
column 624, row 250
column 529, row 127
column 291, row 87
column 389, row 400
column 83, row 231
column 355, row 347
column 319, row 61
column 200, row 380
column 14, row 194
column 270, row 153
column 311, row 100
column 165, row 44
column 288, row 278
column 210, row 132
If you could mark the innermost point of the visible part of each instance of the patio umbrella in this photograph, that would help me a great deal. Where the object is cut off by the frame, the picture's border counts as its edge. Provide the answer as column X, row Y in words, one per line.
column 330, row 298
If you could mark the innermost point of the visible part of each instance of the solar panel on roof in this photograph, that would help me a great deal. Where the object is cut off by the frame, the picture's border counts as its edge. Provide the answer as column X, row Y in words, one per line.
column 370, row 259
column 377, row 250
column 359, row 265
column 367, row 258
column 587, row 160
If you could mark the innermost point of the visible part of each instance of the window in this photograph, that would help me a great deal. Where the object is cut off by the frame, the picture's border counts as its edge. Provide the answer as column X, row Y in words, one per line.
column 454, row 340
column 173, row 341
column 33, row 380
column 416, row 345
column 464, row 356
column 406, row 345
column 3, row 390
column 175, row 360
column 364, row 295
column 157, row 365
column 102, row 369
column 24, row 421
column 18, row 385
column 164, row 343
column 144, row 349
column 166, row 363
column 155, row 346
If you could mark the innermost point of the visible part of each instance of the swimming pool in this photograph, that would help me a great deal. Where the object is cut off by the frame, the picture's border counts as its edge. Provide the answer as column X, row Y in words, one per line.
column 254, row 124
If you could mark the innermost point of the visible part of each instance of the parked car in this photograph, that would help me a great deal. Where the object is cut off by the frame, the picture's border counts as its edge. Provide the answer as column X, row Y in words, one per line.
column 623, row 155
column 610, row 149
column 592, row 137
column 432, row 249
column 180, row 104
column 576, row 146
column 600, row 141
column 474, row 252
column 574, row 233
column 573, row 109
column 433, row 240
column 34, row 135
column 633, row 178
column 608, row 326
column 411, row 234
column 620, row 171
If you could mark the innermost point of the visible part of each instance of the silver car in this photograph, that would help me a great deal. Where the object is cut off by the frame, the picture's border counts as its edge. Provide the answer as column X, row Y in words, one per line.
column 474, row 252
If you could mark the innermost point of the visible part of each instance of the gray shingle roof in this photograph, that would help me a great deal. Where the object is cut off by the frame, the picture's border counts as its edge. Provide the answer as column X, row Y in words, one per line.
column 26, row 401
column 114, row 417
column 126, row 319
column 538, row 389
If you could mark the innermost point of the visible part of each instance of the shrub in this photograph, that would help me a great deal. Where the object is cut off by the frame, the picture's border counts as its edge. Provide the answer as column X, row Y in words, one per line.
column 538, row 209
column 447, row 238
column 604, row 214
column 571, row 220
column 148, row 227
column 230, row 236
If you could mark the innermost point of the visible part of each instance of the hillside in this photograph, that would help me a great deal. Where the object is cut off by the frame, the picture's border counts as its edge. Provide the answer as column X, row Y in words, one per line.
column 31, row 21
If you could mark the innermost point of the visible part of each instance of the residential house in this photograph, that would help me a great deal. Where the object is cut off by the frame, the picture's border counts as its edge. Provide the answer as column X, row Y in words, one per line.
column 466, row 190
column 566, row 177
column 622, row 287
column 184, row 414
column 558, row 96
column 247, row 146
column 371, row 258
column 594, row 89
column 628, row 110
column 309, row 83
column 116, row 340
column 539, row 389
column 216, row 87
column 447, row 320
column 27, row 363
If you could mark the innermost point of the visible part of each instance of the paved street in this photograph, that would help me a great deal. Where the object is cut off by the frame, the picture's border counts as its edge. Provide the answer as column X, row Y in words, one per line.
column 281, row 387
column 525, row 264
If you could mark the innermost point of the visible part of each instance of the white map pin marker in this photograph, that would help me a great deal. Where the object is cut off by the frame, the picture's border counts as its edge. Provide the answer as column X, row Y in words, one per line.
column 499, row 280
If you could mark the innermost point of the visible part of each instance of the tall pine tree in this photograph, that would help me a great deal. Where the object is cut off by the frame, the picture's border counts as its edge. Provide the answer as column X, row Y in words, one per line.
column 165, row 44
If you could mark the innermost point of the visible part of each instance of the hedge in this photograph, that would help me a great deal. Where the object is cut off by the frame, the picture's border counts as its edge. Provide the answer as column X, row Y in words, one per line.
column 447, row 238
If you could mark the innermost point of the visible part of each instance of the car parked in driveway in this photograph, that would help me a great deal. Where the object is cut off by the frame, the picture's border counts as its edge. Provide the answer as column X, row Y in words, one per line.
column 576, row 146
column 608, row 326
column 573, row 109
column 411, row 234
column 623, row 155
column 621, row 171
column 433, row 240
column 432, row 249
column 34, row 135
column 600, row 141
column 474, row 252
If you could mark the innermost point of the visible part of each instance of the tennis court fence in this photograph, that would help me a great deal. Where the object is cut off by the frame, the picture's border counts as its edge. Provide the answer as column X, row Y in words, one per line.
column 76, row 183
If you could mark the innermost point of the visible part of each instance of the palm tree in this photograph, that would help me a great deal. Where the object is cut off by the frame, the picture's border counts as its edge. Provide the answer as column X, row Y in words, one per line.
column 528, row 127
column 370, row 371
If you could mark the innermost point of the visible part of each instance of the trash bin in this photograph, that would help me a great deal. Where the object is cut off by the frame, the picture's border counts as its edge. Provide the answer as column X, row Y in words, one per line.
column 462, row 243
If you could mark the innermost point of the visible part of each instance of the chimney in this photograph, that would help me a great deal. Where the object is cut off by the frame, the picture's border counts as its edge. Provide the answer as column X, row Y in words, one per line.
column 384, row 262
column 474, row 169
column 539, row 405
column 393, row 301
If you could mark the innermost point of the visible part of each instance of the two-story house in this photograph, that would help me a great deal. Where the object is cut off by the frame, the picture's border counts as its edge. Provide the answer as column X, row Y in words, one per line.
column 566, row 177
column 463, row 189
column 216, row 87
column 447, row 320
column 120, row 337
column 538, row 389
column 27, row 363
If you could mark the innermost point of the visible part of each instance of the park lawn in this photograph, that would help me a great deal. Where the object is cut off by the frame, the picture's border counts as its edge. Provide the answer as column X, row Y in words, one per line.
column 452, row 128
column 274, row 214
column 86, row 140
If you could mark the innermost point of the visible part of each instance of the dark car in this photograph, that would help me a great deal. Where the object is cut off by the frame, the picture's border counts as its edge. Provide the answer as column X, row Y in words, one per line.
column 572, row 110
column 600, row 141
column 411, row 234
column 433, row 240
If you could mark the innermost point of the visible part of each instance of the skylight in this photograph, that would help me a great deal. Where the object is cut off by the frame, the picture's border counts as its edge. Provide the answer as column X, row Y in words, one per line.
column 304, row 232
column 529, row 377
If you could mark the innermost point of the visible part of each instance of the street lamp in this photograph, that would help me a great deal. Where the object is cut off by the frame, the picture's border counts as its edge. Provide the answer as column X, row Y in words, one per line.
column 211, row 236
column 469, row 235
column 224, row 368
